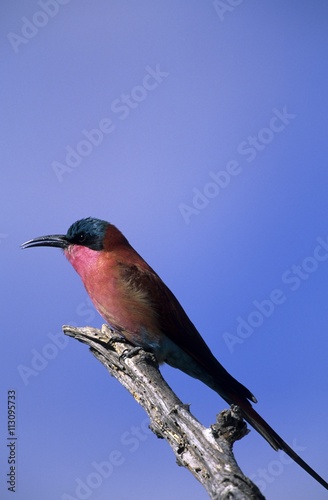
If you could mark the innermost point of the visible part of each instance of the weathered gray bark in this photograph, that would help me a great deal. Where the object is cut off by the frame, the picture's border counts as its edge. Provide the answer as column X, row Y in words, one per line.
column 207, row 453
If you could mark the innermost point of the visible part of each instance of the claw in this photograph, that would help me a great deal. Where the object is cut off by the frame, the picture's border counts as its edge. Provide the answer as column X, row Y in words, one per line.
column 118, row 338
column 129, row 353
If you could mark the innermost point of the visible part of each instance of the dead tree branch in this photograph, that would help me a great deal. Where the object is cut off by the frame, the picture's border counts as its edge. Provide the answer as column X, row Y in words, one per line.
column 207, row 453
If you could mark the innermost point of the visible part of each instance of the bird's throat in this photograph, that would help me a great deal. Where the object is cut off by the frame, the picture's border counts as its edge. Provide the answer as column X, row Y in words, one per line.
column 82, row 258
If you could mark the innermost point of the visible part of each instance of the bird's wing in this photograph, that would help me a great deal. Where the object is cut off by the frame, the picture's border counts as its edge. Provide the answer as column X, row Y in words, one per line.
column 171, row 318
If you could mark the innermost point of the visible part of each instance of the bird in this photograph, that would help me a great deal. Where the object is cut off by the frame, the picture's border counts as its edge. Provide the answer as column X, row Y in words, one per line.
column 137, row 304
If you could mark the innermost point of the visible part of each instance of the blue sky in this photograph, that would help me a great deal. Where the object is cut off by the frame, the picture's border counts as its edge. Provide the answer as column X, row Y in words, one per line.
column 201, row 132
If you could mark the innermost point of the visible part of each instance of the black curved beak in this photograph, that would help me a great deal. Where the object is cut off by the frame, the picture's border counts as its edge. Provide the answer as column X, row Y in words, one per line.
column 53, row 240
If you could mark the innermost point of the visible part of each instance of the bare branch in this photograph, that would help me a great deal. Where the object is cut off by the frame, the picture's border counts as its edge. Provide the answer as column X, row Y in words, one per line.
column 207, row 453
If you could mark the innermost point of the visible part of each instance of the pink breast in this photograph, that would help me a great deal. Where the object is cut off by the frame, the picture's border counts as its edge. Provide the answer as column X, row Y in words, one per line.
column 99, row 275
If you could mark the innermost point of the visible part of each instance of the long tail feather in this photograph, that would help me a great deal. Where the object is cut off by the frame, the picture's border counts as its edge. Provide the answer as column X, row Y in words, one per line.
column 259, row 424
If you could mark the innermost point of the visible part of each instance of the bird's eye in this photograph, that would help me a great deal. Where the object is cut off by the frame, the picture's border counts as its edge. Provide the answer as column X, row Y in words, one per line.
column 81, row 237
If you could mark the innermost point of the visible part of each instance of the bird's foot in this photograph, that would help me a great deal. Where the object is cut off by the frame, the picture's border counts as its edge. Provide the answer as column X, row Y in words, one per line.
column 118, row 338
column 113, row 335
column 129, row 353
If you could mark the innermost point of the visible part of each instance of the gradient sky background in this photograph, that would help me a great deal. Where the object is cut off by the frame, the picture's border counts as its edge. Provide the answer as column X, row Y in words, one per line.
column 225, row 74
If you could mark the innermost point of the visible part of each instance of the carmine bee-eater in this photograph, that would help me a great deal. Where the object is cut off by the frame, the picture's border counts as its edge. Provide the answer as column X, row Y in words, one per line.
column 133, row 299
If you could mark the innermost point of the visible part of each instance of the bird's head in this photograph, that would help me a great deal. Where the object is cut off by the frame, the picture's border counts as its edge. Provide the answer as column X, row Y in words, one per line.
column 88, row 233
column 84, row 242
